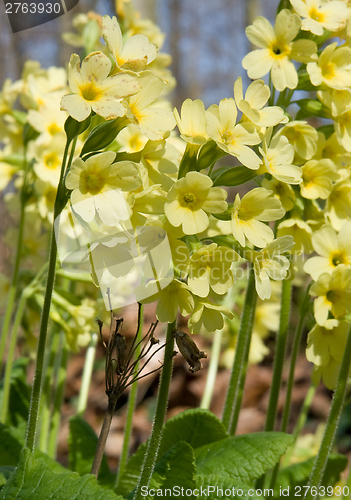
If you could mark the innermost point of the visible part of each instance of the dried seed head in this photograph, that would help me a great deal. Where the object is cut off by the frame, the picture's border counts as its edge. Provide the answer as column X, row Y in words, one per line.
column 121, row 348
column 189, row 350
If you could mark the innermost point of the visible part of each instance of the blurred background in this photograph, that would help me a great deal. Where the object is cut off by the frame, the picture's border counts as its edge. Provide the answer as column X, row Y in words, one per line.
column 206, row 40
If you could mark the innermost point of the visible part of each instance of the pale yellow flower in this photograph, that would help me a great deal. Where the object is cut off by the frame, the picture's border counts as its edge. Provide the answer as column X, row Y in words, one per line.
column 161, row 161
column 135, row 54
column 190, row 199
column 338, row 205
column 338, row 101
column 151, row 119
column 284, row 192
column 278, row 155
column 333, row 249
column 300, row 231
column 332, row 68
column 48, row 159
column 97, row 185
column 173, row 297
column 93, row 90
column 48, row 120
column 252, row 107
column 317, row 179
column 249, row 214
column 131, row 139
column 269, row 264
column 325, row 348
column 210, row 267
column 277, row 49
column 319, row 14
column 333, row 294
column 342, row 124
column 208, row 315
column 233, row 138
column 302, row 136
column 191, row 122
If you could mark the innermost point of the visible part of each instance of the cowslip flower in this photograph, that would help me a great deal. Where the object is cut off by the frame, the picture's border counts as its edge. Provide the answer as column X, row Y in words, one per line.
column 210, row 267
column 97, row 184
column 317, row 179
column 208, row 315
column 284, row 192
column 191, row 122
column 332, row 248
column 249, row 214
column 277, row 49
column 278, row 155
column 300, row 231
column 190, row 199
column 154, row 122
column 269, row 264
column 302, row 136
column 93, row 90
column 231, row 137
column 252, row 106
column 338, row 205
column 325, row 348
column 332, row 68
column 135, row 54
column 333, row 294
column 319, row 14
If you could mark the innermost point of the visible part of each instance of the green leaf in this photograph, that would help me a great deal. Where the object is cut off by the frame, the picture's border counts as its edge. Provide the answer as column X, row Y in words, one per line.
column 208, row 155
column 196, row 427
column 34, row 479
column 175, row 469
column 102, row 135
column 19, row 394
column 242, row 458
column 298, row 474
column 207, row 483
column 82, row 442
column 15, row 159
column 234, row 176
column 73, row 128
column 5, row 474
column 11, row 444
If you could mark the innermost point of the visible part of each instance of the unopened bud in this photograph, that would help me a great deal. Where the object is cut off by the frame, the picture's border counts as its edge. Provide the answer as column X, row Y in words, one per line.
column 189, row 350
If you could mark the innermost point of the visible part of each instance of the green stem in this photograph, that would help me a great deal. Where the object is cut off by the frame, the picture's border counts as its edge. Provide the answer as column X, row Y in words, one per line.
column 233, row 399
column 212, row 370
column 296, row 345
column 56, row 413
column 162, row 400
column 334, row 415
column 300, row 422
column 279, row 354
column 87, row 374
column 10, row 357
column 47, row 392
column 348, row 485
column 36, row 389
column 131, row 404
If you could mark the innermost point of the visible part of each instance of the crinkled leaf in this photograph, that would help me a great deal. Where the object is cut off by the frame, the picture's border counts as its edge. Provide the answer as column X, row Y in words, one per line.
column 196, row 427
column 34, row 480
column 82, row 442
column 242, row 458
column 5, row 474
column 207, row 483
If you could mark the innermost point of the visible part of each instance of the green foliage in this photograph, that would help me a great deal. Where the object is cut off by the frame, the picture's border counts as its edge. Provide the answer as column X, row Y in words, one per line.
column 34, row 479
column 214, row 481
column 73, row 128
column 232, row 176
column 242, row 458
column 298, row 474
column 82, row 442
column 5, row 474
column 101, row 136
column 19, row 394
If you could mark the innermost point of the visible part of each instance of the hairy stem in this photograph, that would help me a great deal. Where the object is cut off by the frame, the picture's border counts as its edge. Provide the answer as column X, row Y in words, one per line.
column 162, row 400
column 99, row 453
column 334, row 415
column 233, row 399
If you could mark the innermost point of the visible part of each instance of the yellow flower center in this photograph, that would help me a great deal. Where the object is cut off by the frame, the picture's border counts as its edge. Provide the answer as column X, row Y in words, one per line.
column 228, row 138
column 328, row 70
column 53, row 129
column 90, row 92
column 316, row 15
column 338, row 258
column 189, row 198
column 52, row 161
column 92, row 181
column 279, row 50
